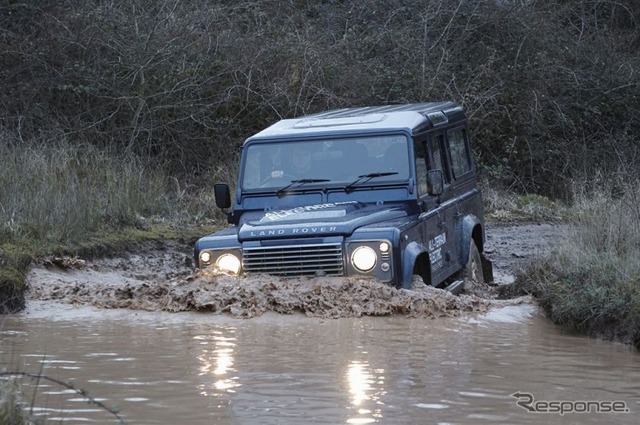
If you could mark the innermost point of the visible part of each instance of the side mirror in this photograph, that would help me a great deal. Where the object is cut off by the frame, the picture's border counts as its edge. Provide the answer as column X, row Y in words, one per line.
column 435, row 182
column 222, row 195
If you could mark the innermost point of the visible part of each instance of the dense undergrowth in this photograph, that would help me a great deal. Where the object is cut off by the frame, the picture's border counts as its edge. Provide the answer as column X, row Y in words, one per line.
column 551, row 88
column 63, row 199
column 591, row 281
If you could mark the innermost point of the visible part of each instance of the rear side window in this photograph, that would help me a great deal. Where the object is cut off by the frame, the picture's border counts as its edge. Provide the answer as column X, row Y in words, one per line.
column 438, row 159
column 421, row 166
column 458, row 148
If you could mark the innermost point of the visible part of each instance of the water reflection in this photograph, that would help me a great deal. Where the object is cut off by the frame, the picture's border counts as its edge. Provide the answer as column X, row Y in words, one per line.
column 285, row 371
column 366, row 386
column 216, row 361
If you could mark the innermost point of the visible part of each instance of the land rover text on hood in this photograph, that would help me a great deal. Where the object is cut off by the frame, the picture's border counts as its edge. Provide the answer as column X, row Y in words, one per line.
column 387, row 192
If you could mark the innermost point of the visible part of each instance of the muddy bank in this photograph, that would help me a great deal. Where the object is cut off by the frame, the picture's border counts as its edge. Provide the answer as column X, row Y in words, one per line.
column 159, row 278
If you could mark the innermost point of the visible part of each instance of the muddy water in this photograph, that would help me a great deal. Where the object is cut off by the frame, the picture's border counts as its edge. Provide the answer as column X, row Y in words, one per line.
column 164, row 368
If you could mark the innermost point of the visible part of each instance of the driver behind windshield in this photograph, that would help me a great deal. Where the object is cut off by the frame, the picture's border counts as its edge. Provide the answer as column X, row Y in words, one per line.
column 299, row 165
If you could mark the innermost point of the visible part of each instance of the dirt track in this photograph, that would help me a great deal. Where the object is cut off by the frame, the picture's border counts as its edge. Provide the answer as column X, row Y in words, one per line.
column 159, row 278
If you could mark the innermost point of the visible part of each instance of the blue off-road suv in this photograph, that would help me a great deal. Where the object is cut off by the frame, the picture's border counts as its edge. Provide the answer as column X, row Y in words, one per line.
column 386, row 192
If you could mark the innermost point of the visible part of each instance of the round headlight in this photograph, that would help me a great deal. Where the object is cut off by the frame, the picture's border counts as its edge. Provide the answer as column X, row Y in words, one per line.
column 384, row 246
column 228, row 263
column 205, row 257
column 364, row 258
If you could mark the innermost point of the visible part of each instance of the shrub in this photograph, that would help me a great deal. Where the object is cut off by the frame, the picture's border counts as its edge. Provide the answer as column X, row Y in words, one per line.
column 591, row 283
column 545, row 83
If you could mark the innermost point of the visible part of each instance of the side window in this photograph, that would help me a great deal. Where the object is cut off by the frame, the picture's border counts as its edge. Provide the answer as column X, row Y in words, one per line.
column 420, row 154
column 460, row 158
column 437, row 161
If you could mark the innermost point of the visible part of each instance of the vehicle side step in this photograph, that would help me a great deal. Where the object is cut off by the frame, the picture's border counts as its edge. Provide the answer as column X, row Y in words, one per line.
column 455, row 287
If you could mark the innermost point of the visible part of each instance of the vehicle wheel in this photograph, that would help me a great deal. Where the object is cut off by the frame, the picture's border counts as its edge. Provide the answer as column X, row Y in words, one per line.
column 472, row 273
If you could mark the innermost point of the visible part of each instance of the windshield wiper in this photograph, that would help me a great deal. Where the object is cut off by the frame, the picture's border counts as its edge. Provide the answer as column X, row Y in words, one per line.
column 365, row 178
column 298, row 183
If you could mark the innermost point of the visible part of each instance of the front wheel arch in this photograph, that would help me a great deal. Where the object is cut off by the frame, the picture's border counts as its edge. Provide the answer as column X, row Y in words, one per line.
column 411, row 254
column 422, row 268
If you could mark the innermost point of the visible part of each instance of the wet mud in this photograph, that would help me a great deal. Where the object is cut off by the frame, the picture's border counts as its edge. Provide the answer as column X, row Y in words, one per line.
column 158, row 278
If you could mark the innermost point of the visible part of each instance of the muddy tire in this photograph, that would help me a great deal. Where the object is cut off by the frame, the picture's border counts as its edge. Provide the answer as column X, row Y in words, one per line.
column 472, row 273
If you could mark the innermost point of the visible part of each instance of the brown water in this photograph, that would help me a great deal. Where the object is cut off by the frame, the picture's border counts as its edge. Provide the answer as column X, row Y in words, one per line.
column 163, row 368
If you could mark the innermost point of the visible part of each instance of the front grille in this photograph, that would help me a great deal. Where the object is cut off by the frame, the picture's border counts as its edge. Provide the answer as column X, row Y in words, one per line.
column 294, row 260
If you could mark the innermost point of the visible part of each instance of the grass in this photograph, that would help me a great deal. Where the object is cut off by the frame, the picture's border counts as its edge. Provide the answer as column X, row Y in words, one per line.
column 11, row 411
column 58, row 198
column 14, row 409
column 591, row 282
column 61, row 192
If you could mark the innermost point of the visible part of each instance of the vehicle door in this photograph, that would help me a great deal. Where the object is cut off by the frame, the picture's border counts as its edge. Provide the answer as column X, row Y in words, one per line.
column 436, row 209
column 464, row 191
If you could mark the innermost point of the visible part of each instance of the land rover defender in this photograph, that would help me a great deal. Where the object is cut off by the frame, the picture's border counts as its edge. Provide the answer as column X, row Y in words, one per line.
column 387, row 192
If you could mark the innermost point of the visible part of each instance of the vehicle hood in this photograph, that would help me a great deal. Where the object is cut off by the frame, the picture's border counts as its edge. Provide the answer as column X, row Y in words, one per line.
column 338, row 218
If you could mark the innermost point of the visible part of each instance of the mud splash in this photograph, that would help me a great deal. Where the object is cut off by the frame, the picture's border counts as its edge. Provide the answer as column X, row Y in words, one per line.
column 159, row 278
column 249, row 296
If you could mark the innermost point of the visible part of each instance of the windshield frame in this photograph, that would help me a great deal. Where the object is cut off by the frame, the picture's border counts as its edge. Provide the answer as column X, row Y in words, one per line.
column 332, row 160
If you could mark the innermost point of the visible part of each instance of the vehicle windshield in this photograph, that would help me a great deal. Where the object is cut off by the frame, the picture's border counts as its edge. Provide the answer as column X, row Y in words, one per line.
column 275, row 165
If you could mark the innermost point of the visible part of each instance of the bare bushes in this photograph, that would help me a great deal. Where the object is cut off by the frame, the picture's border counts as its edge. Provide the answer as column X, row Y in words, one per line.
column 544, row 82
column 592, row 282
column 145, row 76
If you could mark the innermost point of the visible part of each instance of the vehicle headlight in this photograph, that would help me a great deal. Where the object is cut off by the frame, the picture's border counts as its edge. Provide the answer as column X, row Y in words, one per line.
column 228, row 263
column 364, row 258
